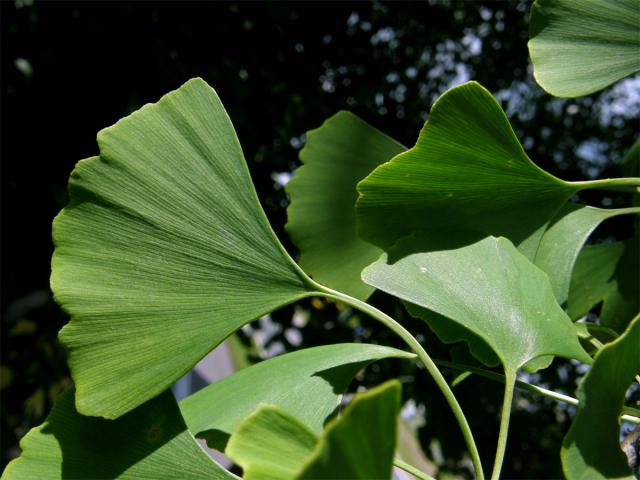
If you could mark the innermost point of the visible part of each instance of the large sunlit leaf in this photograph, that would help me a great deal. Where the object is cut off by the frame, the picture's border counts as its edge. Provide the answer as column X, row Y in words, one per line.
column 162, row 252
column 591, row 449
column 151, row 442
column 322, row 219
column 272, row 444
column 308, row 384
column 489, row 288
column 581, row 46
column 563, row 240
column 467, row 172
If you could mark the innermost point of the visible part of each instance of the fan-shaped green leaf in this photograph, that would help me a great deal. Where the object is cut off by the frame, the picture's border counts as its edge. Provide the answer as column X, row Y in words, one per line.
column 466, row 172
column 563, row 240
column 591, row 448
column 361, row 443
column 322, row 219
column 151, row 442
column 272, row 444
column 162, row 252
column 308, row 384
column 581, row 46
column 487, row 287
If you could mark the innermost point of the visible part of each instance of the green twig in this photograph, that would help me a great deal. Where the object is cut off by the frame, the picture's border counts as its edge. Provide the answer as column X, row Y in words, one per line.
column 510, row 380
column 631, row 414
column 424, row 358
column 609, row 183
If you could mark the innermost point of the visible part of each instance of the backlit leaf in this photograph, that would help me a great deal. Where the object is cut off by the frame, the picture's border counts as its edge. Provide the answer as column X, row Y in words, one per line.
column 321, row 215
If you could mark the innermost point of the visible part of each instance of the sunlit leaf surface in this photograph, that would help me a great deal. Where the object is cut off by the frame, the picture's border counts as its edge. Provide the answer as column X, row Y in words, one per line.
column 308, row 384
column 162, row 252
column 489, row 288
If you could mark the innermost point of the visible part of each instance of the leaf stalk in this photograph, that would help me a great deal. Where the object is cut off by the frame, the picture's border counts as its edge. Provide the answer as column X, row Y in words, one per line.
column 632, row 417
column 410, row 469
column 509, row 384
column 609, row 183
column 426, row 360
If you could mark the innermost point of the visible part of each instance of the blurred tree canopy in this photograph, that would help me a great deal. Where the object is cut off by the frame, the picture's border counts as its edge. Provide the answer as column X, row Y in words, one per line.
column 71, row 69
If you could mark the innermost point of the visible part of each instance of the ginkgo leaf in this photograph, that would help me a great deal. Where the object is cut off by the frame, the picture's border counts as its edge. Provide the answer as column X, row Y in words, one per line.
column 467, row 172
column 591, row 448
column 151, row 442
column 308, row 384
column 487, row 287
column 162, row 252
column 563, row 240
column 467, row 176
column 272, row 444
column 321, row 215
column 361, row 443
column 578, row 47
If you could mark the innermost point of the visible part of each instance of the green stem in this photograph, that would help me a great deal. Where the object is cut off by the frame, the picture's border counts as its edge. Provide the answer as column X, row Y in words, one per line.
column 596, row 343
column 510, row 380
column 609, row 183
column 412, row 470
column 632, row 417
column 424, row 358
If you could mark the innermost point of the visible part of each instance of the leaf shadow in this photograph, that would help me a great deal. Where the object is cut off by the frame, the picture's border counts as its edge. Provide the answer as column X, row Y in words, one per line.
column 94, row 447
column 423, row 242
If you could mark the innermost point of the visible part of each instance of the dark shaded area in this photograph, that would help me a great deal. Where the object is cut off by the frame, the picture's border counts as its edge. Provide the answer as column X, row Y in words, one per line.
column 71, row 69
column 79, row 447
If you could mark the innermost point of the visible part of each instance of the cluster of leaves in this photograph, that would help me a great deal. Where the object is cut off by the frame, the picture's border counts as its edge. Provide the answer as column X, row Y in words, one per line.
column 164, row 251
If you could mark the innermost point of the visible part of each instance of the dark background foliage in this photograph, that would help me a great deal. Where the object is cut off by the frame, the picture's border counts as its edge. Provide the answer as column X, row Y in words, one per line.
column 71, row 69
